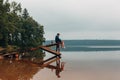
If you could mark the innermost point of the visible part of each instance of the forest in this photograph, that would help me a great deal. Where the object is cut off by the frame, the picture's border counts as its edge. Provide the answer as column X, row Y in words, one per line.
column 18, row 30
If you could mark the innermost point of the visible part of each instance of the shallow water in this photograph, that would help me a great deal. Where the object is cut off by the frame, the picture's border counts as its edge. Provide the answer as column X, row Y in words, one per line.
column 86, row 66
column 101, row 65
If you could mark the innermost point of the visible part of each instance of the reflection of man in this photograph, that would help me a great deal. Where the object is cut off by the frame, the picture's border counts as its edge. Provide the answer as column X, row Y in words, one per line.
column 58, row 41
column 58, row 70
column 60, row 67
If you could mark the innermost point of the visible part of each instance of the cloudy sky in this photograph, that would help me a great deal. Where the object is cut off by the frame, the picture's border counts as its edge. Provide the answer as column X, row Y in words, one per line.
column 76, row 19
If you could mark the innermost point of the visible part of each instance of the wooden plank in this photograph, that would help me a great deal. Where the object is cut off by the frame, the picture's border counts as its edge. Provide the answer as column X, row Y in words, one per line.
column 50, row 59
column 51, row 45
column 1, row 49
column 49, row 62
column 49, row 50
column 9, row 54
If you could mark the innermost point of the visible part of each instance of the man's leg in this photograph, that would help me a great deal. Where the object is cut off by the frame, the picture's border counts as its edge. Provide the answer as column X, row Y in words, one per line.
column 58, row 48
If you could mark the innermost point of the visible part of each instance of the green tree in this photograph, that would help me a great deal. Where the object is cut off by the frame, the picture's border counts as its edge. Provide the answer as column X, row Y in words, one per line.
column 14, row 22
column 4, row 29
column 18, row 28
column 32, row 32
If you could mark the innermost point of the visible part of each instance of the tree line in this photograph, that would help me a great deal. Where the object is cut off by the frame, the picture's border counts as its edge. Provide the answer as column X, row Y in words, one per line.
column 18, row 28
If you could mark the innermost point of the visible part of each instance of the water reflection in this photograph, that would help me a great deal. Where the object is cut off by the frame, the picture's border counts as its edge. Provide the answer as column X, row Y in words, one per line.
column 15, row 70
column 25, row 69
column 59, row 67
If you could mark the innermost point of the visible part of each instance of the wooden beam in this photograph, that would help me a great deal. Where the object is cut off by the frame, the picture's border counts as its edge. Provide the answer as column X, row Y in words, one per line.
column 51, row 45
column 50, row 50
column 49, row 62
column 50, row 59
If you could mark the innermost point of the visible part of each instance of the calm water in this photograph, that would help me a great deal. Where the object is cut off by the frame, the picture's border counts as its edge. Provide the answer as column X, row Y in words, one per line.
column 86, row 66
column 91, row 45
column 100, row 65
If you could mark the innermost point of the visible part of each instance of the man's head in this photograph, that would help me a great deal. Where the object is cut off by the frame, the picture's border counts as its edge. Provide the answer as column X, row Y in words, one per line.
column 58, row 34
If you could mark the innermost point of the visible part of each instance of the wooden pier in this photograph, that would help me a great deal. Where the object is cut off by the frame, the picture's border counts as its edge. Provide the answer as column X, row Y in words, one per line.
column 45, row 48
column 56, row 54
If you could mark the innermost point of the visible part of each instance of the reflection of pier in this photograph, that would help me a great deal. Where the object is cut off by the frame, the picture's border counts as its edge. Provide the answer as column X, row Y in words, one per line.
column 25, row 69
column 59, row 67
column 44, row 63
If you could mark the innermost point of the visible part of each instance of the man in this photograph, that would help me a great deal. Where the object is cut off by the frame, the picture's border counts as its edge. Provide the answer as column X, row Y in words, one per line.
column 58, row 41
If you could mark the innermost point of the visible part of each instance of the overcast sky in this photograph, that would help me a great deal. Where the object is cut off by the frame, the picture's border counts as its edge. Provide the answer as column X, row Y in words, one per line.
column 76, row 19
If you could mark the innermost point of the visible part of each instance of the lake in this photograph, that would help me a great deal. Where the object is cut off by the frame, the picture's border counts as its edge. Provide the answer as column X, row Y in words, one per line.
column 83, row 61
column 100, row 65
